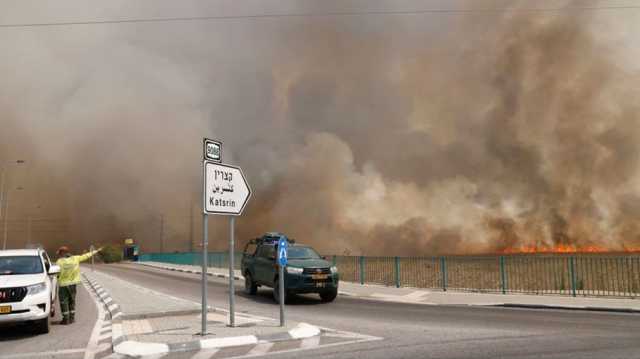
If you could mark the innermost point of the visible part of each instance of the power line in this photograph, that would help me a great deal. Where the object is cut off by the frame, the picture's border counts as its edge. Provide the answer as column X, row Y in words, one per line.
column 327, row 14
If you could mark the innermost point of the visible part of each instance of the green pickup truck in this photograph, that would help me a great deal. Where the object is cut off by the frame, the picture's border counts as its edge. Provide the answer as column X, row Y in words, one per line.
column 306, row 272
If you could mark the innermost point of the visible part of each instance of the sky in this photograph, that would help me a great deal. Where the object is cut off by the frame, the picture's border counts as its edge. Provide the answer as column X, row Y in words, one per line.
column 364, row 127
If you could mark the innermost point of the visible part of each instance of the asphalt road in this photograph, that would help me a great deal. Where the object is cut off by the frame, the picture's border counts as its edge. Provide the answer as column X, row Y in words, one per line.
column 63, row 341
column 421, row 331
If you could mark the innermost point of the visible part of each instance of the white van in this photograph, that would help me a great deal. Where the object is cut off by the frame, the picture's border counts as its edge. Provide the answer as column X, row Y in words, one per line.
column 28, row 287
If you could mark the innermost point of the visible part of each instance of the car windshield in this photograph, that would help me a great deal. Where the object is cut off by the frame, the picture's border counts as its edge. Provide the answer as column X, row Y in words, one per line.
column 302, row 253
column 20, row 265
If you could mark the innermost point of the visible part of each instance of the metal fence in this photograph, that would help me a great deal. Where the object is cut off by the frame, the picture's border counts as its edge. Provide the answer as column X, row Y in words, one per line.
column 575, row 275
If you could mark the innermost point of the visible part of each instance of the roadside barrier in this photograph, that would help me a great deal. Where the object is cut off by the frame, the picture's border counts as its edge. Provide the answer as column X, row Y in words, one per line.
column 606, row 275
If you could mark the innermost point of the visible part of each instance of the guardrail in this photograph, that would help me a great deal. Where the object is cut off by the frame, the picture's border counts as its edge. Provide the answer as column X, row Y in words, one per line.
column 604, row 275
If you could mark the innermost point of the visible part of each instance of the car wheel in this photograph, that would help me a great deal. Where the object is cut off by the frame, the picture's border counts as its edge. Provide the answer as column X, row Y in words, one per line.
column 42, row 326
column 276, row 292
column 329, row 296
column 250, row 287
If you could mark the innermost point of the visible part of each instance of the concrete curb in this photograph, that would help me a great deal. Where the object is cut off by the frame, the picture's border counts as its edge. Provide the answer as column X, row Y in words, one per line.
column 117, row 336
column 120, row 344
column 173, row 269
column 565, row 307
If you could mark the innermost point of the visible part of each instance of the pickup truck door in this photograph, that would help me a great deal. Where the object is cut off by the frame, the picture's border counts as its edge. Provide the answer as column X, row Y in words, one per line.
column 264, row 265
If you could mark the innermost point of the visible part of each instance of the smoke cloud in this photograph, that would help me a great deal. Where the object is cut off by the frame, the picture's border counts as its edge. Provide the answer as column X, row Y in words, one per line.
column 405, row 135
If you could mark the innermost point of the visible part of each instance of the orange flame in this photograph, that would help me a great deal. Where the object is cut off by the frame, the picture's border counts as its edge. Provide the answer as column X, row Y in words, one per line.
column 565, row 248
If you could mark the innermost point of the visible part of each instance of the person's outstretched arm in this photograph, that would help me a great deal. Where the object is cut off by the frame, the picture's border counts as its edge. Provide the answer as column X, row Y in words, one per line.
column 84, row 257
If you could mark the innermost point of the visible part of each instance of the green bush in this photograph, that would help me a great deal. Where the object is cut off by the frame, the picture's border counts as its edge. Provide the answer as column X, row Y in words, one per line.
column 111, row 254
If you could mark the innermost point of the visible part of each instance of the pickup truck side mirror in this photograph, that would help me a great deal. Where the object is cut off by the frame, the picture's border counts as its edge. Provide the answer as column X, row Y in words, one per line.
column 54, row 270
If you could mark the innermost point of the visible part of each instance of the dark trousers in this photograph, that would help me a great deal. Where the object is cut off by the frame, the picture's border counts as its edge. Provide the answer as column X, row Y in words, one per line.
column 67, row 297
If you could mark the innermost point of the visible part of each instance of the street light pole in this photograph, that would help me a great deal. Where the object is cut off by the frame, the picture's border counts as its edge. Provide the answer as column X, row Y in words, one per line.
column 2, row 189
column 3, row 180
column 6, row 216
column 28, row 231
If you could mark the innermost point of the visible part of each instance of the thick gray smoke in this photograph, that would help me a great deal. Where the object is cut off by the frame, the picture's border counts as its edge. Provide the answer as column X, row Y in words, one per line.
column 407, row 135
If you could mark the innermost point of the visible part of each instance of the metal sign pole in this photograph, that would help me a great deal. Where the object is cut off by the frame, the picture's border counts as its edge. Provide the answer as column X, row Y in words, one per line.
column 205, row 245
column 232, row 290
column 281, row 285
column 92, row 263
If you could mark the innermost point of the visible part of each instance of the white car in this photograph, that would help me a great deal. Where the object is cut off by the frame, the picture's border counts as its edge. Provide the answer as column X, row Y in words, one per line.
column 28, row 287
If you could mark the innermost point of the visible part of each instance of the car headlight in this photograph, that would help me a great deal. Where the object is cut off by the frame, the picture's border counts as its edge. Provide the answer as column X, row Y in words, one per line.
column 334, row 270
column 294, row 270
column 36, row 288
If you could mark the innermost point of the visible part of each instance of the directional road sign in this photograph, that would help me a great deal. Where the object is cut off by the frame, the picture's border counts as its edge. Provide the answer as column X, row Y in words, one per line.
column 226, row 190
column 282, row 251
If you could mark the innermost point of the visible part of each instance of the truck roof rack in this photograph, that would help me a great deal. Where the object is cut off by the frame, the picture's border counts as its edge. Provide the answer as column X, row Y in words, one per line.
column 271, row 238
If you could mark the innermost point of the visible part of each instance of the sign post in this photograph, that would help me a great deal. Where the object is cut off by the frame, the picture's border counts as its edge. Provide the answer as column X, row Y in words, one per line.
column 282, row 263
column 91, row 249
column 226, row 192
column 232, row 289
column 204, row 269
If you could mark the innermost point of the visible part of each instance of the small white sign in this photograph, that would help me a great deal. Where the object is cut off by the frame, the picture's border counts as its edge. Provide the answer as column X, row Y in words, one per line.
column 212, row 150
column 226, row 190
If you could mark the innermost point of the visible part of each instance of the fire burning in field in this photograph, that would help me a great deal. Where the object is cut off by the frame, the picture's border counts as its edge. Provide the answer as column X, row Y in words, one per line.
column 565, row 248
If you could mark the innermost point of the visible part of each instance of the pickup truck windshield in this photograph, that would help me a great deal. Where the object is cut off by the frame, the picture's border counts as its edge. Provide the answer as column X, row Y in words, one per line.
column 20, row 265
column 302, row 253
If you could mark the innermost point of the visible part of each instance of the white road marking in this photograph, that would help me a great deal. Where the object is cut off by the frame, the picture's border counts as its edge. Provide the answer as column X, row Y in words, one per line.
column 356, row 341
column 261, row 349
column 43, row 354
column 205, row 354
column 93, row 346
column 310, row 342
column 304, row 330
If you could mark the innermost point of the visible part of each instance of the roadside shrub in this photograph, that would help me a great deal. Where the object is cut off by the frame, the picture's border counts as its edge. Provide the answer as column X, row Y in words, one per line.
column 111, row 254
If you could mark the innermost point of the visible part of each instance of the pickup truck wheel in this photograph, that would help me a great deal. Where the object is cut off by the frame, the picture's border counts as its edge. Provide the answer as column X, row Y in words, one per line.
column 276, row 292
column 329, row 296
column 250, row 287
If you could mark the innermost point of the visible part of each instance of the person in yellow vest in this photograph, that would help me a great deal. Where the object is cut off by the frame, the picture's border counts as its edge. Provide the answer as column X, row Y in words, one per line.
column 67, row 280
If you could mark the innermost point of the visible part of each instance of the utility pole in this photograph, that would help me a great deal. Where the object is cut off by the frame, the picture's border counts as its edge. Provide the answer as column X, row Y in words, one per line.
column 28, row 231
column 3, row 180
column 190, row 248
column 6, row 217
column 161, row 233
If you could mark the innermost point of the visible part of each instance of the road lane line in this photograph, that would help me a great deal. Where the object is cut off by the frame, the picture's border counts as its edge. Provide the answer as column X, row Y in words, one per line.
column 93, row 345
column 205, row 354
column 261, row 349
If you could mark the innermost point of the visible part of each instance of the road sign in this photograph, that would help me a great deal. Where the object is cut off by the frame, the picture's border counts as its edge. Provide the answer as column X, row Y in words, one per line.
column 212, row 150
column 282, row 252
column 226, row 191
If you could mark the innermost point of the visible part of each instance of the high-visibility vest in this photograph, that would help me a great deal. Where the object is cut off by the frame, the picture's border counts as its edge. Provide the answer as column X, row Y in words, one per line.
column 70, row 268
